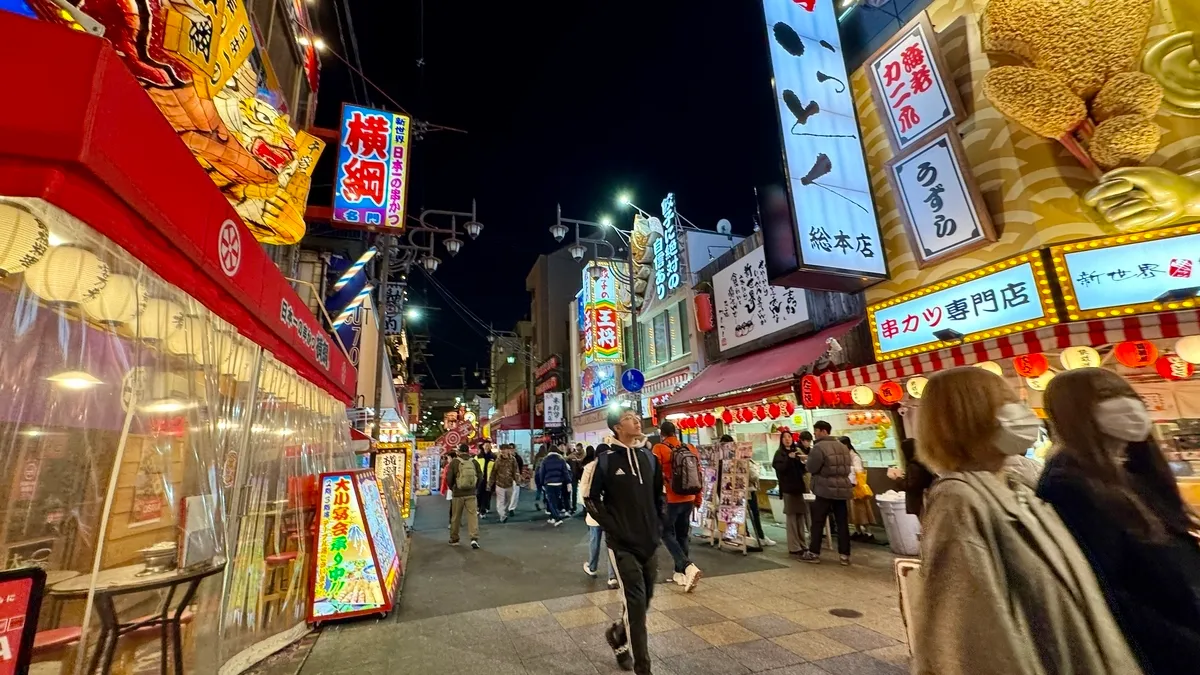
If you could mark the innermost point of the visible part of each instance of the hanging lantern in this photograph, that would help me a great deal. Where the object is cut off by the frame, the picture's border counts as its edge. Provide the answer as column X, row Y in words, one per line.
column 992, row 367
column 1030, row 365
column 23, row 239
column 810, row 391
column 1040, row 382
column 845, row 398
column 237, row 362
column 160, row 320
column 916, row 386
column 789, row 408
column 727, row 417
column 1136, row 353
column 1171, row 367
column 774, row 410
column 760, row 413
column 829, row 398
column 710, row 420
column 1188, row 348
column 67, row 274
column 862, row 395
column 118, row 302
column 1080, row 357
column 689, row 422
column 890, row 392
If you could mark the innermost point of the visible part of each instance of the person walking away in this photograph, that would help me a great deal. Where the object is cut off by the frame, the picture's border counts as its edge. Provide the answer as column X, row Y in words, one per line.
column 917, row 479
column 537, row 465
column 448, row 459
column 625, row 495
column 484, row 461
column 790, row 469
column 553, row 476
column 1005, row 588
column 524, row 476
column 862, row 515
column 503, row 482
column 1111, row 485
column 684, row 482
column 595, row 534
column 463, row 479
column 576, row 460
column 829, row 464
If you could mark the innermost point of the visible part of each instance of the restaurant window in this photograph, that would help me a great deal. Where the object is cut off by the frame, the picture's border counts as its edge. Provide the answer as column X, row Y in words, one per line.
column 680, row 344
column 662, row 340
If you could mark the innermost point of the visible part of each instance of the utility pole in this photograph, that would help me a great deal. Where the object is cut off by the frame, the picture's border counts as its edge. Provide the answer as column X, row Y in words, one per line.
column 529, row 387
column 385, row 241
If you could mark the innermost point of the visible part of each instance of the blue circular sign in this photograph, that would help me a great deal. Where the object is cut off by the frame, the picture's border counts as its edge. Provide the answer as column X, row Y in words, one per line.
column 632, row 379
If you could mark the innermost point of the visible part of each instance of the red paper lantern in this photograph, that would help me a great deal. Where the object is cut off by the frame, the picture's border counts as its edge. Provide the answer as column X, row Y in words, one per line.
column 789, row 407
column 1136, row 353
column 1031, row 365
column 727, row 416
column 810, row 391
column 845, row 398
column 710, row 420
column 689, row 422
column 760, row 413
column 829, row 398
column 1171, row 367
column 774, row 410
column 890, row 392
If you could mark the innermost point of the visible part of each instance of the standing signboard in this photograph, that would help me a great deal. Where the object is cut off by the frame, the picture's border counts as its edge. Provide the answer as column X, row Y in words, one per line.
column 370, row 187
column 20, row 601
column 748, row 307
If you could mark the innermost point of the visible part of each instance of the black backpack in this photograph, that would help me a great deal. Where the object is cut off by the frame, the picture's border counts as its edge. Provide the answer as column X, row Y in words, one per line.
column 686, row 478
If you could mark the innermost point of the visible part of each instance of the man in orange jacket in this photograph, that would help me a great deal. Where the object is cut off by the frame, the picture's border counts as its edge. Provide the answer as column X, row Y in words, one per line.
column 677, row 524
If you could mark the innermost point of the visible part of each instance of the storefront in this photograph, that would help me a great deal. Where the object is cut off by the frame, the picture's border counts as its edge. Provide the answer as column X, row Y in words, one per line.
column 166, row 400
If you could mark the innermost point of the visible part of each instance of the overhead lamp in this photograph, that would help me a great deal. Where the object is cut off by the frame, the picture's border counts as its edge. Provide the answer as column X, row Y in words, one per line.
column 595, row 272
column 304, row 41
column 577, row 251
column 606, row 221
column 413, row 313
column 624, row 199
column 319, row 44
column 558, row 231
column 453, row 246
column 430, row 263
column 473, row 229
column 511, row 358
column 75, row 380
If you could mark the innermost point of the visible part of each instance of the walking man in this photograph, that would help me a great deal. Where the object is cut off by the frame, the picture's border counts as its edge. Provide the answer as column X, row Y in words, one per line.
column 624, row 495
column 485, row 462
column 685, row 487
column 829, row 463
column 554, row 475
column 463, row 479
column 522, row 479
column 503, row 482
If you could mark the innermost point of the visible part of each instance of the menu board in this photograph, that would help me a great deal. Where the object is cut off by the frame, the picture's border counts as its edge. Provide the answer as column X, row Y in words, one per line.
column 381, row 530
column 346, row 571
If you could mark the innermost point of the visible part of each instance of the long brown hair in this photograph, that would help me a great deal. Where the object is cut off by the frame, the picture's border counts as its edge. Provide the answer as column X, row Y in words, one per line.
column 1070, row 402
column 958, row 419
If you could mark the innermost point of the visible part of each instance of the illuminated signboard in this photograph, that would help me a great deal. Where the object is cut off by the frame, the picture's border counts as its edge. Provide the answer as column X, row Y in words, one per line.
column 833, row 230
column 602, row 320
column 748, row 307
column 1003, row 298
column 1130, row 274
column 670, row 260
column 346, row 566
column 371, row 185
column 380, row 527
column 598, row 385
column 585, row 329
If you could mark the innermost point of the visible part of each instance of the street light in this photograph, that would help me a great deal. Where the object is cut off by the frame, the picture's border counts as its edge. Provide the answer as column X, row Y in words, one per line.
column 430, row 263
column 558, row 231
column 511, row 358
column 606, row 221
column 624, row 199
column 473, row 229
column 413, row 314
column 453, row 246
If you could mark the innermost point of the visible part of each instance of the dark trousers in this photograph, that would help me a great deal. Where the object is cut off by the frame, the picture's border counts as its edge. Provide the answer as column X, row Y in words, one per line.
column 821, row 509
column 574, row 496
column 755, row 518
column 555, row 496
column 636, row 578
column 483, row 499
column 677, row 530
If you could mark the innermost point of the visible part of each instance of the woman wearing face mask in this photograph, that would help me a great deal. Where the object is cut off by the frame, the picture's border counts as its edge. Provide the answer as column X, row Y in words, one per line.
column 1112, row 487
column 1005, row 589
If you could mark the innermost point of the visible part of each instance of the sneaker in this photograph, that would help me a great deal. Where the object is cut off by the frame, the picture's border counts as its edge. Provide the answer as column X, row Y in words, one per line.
column 691, row 577
column 845, row 560
column 474, row 544
column 810, row 557
column 615, row 635
column 512, row 512
column 612, row 583
column 547, row 513
column 588, row 570
column 454, row 543
column 552, row 521
column 679, row 579
column 557, row 522
column 767, row 541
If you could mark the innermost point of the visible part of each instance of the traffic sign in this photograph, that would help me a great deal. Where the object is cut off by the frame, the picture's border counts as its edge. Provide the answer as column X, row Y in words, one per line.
column 633, row 380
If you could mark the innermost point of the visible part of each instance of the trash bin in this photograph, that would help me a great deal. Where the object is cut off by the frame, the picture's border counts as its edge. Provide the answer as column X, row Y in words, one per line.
column 903, row 528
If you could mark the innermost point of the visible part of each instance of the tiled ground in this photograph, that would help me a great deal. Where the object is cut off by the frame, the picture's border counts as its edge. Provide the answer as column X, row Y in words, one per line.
column 774, row 621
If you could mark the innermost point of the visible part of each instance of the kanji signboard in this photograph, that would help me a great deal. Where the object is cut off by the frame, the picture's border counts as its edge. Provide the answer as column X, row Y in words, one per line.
column 553, row 409
column 351, row 576
column 1129, row 274
column 908, row 81
column 670, row 256
column 602, row 319
column 1000, row 299
column 748, row 307
column 371, row 183
column 945, row 214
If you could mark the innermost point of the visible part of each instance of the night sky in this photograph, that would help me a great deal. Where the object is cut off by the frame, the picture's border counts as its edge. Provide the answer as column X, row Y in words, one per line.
column 563, row 102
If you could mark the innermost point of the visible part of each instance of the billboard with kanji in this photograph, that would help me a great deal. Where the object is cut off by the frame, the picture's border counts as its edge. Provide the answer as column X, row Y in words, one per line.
column 371, row 183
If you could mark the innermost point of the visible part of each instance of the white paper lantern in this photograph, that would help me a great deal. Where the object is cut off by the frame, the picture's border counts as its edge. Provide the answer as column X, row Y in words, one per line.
column 23, row 239
column 991, row 366
column 67, row 274
column 916, row 386
column 1040, row 382
column 1188, row 348
column 1080, row 357
column 862, row 395
column 160, row 320
column 118, row 302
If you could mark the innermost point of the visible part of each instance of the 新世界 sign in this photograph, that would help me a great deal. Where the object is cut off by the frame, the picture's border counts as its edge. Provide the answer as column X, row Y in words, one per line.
column 969, row 307
column 371, row 182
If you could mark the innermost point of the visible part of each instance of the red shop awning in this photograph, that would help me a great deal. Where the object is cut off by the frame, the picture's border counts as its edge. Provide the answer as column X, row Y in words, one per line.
column 763, row 373
column 78, row 132
column 515, row 423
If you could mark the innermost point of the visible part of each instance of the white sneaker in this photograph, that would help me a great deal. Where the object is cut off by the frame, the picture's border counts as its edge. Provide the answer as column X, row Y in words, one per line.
column 767, row 541
column 690, row 578
column 551, row 521
column 612, row 583
column 557, row 522
column 679, row 579
column 588, row 570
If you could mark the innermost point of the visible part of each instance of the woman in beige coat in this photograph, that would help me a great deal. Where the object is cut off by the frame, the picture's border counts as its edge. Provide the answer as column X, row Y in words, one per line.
column 1005, row 590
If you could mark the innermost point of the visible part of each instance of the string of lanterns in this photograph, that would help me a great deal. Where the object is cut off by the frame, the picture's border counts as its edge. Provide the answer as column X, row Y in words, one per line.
column 760, row 413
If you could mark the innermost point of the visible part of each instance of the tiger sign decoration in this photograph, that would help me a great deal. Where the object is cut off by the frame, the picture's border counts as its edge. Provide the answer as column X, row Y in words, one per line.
column 196, row 61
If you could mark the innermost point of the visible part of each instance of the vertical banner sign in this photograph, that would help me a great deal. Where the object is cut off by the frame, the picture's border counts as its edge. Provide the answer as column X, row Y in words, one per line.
column 602, row 318
column 392, row 320
column 553, row 409
column 371, row 185
column 670, row 263
column 347, row 578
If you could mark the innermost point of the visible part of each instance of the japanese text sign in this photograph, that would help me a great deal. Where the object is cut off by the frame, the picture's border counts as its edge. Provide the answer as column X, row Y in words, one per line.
column 371, row 183
column 999, row 299
column 670, row 259
column 553, row 409
column 346, row 576
column 581, row 324
column 602, row 320
column 1147, row 272
column 907, row 78
column 748, row 307
column 939, row 200
column 20, row 601
column 828, row 181
column 393, row 322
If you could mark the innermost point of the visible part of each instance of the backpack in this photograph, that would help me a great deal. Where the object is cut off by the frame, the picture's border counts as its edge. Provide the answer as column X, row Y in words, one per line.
column 685, row 471
column 467, row 478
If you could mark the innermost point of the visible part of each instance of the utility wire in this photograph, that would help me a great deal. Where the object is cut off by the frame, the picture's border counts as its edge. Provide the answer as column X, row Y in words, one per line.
column 337, row 13
column 354, row 53
column 471, row 318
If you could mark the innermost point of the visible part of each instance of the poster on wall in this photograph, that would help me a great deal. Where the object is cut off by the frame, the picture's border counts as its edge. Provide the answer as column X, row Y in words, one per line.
column 370, row 187
column 347, row 576
column 598, row 385
column 149, row 494
column 910, row 85
column 749, row 308
column 20, row 602
column 944, row 213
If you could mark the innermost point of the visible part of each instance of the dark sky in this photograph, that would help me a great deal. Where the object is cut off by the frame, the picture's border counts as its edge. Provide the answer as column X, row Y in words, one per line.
column 565, row 102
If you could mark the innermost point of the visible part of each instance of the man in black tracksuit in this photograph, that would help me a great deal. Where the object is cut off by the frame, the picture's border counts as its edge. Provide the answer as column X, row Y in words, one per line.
column 626, row 498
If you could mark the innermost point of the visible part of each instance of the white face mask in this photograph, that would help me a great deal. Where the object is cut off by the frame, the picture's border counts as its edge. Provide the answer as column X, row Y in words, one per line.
column 1124, row 419
column 1019, row 429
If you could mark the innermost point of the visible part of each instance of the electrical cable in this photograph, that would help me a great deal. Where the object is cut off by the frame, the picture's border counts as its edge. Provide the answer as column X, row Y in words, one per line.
column 354, row 53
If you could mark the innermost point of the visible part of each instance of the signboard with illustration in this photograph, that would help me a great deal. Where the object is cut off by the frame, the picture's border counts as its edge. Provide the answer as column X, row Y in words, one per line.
column 351, row 576
column 380, row 527
column 370, row 188
column 598, row 385
column 748, row 307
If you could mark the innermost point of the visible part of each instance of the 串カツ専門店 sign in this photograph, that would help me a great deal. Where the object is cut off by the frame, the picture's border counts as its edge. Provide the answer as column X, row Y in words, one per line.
column 1001, row 298
column 371, row 182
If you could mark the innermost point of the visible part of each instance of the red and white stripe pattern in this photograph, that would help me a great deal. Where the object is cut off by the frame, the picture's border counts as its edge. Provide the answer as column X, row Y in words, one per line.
column 667, row 384
column 1094, row 333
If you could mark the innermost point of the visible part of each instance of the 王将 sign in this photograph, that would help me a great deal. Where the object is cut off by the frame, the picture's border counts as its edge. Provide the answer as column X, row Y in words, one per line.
column 748, row 307
column 908, row 82
column 371, row 181
column 1146, row 272
column 972, row 306
column 602, row 321
column 945, row 214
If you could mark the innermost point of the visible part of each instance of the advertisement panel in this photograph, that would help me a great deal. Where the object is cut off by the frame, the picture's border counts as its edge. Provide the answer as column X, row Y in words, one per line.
column 380, row 527
column 370, row 187
column 748, row 307
column 598, row 386
column 346, row 571
column 602, row 318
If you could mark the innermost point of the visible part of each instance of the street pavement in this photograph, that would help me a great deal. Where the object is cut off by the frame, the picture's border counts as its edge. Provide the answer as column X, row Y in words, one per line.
column 523, row 606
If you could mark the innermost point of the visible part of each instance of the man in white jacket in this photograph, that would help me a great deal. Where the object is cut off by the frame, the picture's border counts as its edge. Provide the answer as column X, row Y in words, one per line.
column 592, row 565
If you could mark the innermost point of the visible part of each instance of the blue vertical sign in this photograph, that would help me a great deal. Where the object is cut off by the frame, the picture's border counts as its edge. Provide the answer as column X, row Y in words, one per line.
column 371, row 184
